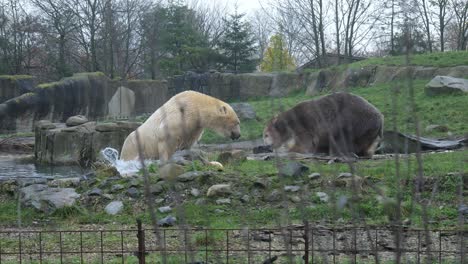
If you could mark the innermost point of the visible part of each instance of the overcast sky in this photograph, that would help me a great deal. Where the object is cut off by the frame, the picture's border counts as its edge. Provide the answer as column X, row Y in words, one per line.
column 245, row 6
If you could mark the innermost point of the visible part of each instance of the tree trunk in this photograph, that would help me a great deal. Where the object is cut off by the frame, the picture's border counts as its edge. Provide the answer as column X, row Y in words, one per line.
column 337, row 26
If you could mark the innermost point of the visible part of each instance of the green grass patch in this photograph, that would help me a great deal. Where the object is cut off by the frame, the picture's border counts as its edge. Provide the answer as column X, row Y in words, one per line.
column 16, row 77
column 447, row 110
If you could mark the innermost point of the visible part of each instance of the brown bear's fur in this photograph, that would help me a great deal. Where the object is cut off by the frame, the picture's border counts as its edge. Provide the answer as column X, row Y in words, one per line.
column 179, row 123
column 339, row 124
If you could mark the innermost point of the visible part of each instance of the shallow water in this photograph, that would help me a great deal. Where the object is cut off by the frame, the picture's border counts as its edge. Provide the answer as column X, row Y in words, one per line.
column 22, row 166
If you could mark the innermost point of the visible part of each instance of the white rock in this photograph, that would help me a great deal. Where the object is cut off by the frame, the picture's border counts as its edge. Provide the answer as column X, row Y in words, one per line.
column 114, row 207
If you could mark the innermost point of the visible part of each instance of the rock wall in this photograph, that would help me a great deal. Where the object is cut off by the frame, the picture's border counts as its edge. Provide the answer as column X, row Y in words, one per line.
column 55, row 143
column 85, row 94
column 89, row 94
column 12, row 86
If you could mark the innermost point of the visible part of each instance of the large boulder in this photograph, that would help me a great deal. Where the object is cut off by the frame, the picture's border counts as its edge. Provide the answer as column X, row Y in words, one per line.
column 122, row 103
column 46, row 199
column 446, row 85
column 285, row 83
column 244, row 111
column 76, row 120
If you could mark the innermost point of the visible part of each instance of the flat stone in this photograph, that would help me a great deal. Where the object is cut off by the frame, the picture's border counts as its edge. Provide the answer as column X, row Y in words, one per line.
column 314, row 176
column 117, row 187
column 232, row 156
column 291, row 188
column 46, row 199
column 128, row 125
column 273, row 196
column 65, row 182
column 114, row 207
column 223, row 201
column 164, row 209
column 135, row 183
column 76, row 120
column 191, row 175
column 219, row 190
column 95, row 192
column 26, row 182
column 157, row 188
column 345, row 175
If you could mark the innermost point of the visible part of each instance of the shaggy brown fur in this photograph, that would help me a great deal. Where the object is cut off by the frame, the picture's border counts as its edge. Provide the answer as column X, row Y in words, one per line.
column 338, row 124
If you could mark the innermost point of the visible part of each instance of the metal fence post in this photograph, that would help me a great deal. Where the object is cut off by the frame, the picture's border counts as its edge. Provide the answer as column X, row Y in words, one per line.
column 141, row 243
column 306, row 242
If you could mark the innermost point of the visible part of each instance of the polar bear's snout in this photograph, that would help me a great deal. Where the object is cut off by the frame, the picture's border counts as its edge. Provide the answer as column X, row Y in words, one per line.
column 235, row 135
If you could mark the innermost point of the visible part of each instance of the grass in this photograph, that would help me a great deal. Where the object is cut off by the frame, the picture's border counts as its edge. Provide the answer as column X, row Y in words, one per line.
column 447, row 110
column 16, row 77
column 436, row 59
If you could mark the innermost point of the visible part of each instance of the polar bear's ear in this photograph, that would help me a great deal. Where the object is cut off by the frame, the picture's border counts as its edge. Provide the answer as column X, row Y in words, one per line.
column 223, row 109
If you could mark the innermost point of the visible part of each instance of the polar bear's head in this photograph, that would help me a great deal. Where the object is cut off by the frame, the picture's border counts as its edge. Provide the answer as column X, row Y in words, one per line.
column 226, row 123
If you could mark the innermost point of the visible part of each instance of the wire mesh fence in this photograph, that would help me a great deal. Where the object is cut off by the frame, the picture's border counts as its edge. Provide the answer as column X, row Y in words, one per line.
column 293, row 244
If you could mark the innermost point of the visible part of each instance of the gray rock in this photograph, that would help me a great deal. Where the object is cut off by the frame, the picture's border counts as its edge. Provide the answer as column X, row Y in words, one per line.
column 245, row 198
column 292, row 169
column 114, row 207
column 133, row 192
column 232, row 156
column 223, row 201
column 323, row 197
column 76, row 120
column 314, row 176
column 122, row 103
column 108, row 196
column 463, row 209
column 192, row 175
column 95, row 192
column 167, row 221
column 262, row 183
column 218, row 211
column 135, row 183
column 200, row 201
column 295, row 199
column 157, row 188
column 273, row 196
column 46, row 199
column 345, row 175
column 244, row 111
column 291, row 188
column 45, row 125
column 195, row 192
column 117, row 187
column 446, row 85
column 159, row 201
column 437, row 128
column 170, row 171
column 164, row 209
column 65, row 182
column 219, row 190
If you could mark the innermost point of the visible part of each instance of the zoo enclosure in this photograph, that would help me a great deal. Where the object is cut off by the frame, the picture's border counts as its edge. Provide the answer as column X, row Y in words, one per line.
column 296, row 244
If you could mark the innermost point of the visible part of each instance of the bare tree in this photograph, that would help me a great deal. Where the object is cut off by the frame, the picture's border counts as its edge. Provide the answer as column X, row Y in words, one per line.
column 460, row 9
column 423, row 10
column 61, row 19
column 89, row 18
column 262, row 28
column 443, row 19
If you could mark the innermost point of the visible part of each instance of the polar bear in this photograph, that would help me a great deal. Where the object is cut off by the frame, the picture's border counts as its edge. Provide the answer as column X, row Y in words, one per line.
column 337, row 124
column 179, row 123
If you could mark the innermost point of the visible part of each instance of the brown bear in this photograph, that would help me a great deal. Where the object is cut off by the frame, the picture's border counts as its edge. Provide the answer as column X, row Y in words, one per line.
column 179, row 123
column 341, row 124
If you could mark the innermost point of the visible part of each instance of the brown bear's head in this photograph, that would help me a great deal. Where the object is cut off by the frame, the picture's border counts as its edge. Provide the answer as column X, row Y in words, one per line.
column 276, row 133
column 226, row 123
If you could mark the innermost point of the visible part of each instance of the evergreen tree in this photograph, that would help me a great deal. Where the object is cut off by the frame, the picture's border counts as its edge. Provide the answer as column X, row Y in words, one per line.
column 237, row 45
column 184, row 46
column 277, row 57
